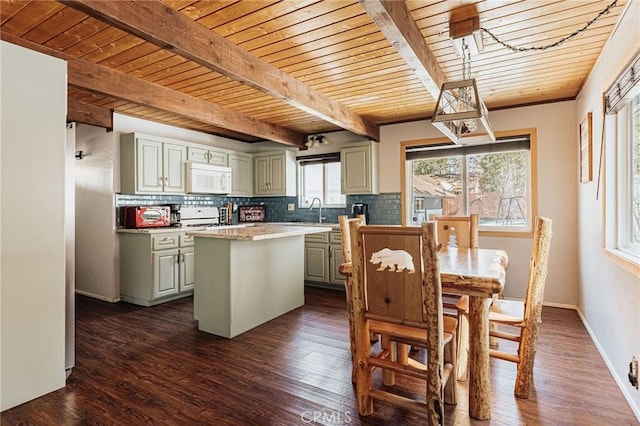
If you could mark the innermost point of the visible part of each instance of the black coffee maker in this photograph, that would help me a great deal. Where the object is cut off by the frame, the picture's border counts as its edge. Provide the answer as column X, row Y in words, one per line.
column 360, row 208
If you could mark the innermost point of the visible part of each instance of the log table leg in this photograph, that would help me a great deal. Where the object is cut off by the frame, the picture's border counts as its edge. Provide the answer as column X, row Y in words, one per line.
column 479, row 383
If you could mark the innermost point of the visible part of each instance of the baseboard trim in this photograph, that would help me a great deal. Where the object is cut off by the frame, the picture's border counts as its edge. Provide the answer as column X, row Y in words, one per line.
column 560, row 305
column 620, row 382
column 97, row 296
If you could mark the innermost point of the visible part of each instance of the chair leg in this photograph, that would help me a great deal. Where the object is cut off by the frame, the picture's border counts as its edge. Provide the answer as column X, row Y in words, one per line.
column 451, row 356
column 388, row 376
column 527, row 353
column 463, row 348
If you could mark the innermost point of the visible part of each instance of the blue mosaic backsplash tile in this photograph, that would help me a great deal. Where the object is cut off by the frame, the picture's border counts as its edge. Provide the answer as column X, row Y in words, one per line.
column 384, row 209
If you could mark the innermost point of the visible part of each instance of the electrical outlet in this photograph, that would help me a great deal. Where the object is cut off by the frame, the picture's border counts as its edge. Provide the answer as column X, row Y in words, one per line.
column 633, row 372
column 291, row 207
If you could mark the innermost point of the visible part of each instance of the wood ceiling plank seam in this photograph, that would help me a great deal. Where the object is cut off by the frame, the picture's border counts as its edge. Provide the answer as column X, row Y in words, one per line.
column 339, row 59
column 297, row 27
column 169, row 63
column 290, row 48
column 55, row 24
column 394, row 90
column 128, row 55
column 9, row 9
column 30, row 16
column 109, row 50
column 226, row 15
column 259, row 21
column 546, row 33
column 505, row 68
column 182, row 67
column 547, row 12
column 199, row 9
column 192, row 80
column 392, row 59
column 95, row 42
column 490, row 75
column 339, row 49
column 152, row 59
column 76, row 34
column 355, row 77
column 180, row 4
column 137, row 20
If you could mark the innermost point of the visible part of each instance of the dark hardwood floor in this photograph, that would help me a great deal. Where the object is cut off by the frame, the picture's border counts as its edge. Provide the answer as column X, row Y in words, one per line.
column 152, row 366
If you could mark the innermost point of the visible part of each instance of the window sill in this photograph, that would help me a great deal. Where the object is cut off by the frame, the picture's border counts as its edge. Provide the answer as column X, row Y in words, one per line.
column 624, row 260
column 504, row 233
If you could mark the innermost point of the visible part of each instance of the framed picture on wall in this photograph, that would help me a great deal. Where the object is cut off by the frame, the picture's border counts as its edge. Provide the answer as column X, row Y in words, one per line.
column 585, row 150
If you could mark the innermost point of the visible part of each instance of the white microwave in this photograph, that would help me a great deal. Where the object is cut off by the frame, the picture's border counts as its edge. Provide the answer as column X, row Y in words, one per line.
column 208, row 179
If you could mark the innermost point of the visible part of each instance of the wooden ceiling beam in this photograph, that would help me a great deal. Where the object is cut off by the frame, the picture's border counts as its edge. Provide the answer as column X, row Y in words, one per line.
column 163, row 26
column 89, row 114
column 398, row 26
column 100, row 79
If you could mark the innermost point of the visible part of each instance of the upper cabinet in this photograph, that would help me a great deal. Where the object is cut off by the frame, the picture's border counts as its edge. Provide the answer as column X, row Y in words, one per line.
column 241, row 174
column 274, row 173
column 359, row 164
column 149, row 165
column 216, row 157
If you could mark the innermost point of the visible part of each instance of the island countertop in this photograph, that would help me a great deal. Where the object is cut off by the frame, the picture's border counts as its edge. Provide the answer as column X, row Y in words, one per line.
column 258, row 232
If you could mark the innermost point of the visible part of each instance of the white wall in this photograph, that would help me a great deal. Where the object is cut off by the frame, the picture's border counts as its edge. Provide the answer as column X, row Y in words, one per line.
column 608, row 295
column 33, row 99
column 557, row 170
column 97, row 270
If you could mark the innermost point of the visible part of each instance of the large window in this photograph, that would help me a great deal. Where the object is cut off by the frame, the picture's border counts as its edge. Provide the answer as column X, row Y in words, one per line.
column 320, row 178
column 493, row 180
column 622, row 167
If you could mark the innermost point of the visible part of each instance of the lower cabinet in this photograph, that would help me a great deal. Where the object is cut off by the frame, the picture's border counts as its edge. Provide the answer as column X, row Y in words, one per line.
column 322, row 259
column 156, row 268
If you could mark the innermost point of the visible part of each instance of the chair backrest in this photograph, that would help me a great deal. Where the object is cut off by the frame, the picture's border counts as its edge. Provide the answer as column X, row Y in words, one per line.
column 343, row 221
column 396, row 270
column 537, row 270
column 463, row 229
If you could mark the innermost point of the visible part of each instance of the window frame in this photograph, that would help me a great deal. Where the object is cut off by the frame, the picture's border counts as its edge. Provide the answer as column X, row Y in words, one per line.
column 521, row 232
column 617, row 189
column 302, row 203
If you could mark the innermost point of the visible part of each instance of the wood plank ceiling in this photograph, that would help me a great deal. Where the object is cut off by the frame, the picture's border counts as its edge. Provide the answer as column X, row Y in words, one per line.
column 281, row 70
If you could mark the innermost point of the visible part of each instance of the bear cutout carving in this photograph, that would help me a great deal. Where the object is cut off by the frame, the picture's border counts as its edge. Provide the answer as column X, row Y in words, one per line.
column 395, row 260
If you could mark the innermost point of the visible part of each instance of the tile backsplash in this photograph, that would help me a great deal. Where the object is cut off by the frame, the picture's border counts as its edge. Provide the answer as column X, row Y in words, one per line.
column 384, row 209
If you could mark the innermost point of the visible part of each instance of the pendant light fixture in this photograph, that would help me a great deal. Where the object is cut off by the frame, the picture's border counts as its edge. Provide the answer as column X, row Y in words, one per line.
column 460, row 112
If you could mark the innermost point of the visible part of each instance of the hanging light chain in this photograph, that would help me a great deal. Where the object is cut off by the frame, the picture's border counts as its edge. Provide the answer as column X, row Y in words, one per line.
column 557, row 43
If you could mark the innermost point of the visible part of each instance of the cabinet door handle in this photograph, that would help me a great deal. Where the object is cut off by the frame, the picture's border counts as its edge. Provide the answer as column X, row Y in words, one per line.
column 177, row 259
column 182, row 258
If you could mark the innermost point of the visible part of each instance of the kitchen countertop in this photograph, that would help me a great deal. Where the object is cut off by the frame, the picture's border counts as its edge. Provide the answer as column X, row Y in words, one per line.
column 255, row 232
column 327, row 227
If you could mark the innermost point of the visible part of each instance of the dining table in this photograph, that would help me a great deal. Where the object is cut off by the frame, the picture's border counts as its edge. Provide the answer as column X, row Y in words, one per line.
column 480, row 274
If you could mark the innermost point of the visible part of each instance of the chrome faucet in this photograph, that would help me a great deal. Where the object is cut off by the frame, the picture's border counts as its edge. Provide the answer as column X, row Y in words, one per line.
column 319, row 208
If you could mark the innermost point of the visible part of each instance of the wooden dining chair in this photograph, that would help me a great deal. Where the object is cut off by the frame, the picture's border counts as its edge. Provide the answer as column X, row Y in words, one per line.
column 525, row 315
column 343, row 221
column 461, row 232
column 396, row 291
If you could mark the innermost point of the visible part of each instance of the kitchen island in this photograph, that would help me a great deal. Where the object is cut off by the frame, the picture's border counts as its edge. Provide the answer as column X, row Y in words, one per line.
column 246, row 276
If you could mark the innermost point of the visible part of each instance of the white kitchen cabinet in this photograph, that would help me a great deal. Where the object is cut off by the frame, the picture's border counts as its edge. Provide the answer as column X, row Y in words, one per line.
column 336, row 258
column 210, row 156
column 316, row 258
column 359, row 164
column 149, row 165
column 241, row 174
column 156, row 267
column 274, row 173
column 323, row 257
